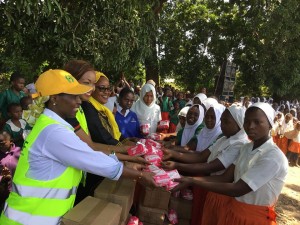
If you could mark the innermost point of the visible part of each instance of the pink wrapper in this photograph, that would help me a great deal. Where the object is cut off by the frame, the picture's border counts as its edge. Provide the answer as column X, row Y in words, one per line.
column 133, row 220
column 154, row 151
column 164, row 124
column 145, row 129
column 137, row 150
column 155, row 136
column 161, row 178
column 153, row 159
column 187, row 194
column 153, row 143
column 172, row 216
column 173, row 174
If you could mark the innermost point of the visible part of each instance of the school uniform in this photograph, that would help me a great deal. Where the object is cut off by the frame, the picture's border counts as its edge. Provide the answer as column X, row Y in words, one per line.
column 264, row 170
column 227, row 151
column 16, row 132
column 282, row 141
column 128, row 124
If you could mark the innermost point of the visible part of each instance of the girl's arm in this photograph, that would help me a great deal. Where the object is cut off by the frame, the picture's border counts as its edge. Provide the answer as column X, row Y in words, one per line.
column 187, row 157
column 212, row 183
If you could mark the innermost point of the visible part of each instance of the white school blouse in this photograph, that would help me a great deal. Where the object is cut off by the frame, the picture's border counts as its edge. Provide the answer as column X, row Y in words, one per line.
column 264, row 169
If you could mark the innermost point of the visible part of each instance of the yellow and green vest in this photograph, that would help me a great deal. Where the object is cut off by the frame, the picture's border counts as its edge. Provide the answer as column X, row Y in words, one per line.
column 39, row 202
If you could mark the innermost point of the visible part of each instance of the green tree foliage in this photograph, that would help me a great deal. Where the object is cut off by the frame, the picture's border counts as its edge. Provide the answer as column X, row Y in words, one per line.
column 261, row 37
column 113, row 35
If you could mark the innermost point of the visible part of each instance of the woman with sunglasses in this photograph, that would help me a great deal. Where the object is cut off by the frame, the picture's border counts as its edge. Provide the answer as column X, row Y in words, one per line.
column 49, row 168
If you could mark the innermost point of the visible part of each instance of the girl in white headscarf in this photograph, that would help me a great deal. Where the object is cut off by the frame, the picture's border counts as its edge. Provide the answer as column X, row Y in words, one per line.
column 212, row 130
column 256, row 177
column 193, row 125
column 147, row 111
column 199, row 98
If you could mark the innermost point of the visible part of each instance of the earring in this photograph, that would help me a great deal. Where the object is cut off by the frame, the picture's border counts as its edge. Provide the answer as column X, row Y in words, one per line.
column 54, row 103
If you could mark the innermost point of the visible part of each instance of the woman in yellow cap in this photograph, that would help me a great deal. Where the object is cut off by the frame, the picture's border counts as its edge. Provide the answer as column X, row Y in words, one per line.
column 85, row 74
column 49, row 168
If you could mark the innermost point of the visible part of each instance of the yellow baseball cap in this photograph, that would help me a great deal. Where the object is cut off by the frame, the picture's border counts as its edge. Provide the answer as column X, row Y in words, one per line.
column 99, row 74
column 54, row 82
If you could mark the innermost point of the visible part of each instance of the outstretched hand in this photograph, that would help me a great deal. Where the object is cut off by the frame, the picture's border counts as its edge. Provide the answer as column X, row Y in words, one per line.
column 184, row 182
column 167, row 154
column 169, row 165
column 147, row 179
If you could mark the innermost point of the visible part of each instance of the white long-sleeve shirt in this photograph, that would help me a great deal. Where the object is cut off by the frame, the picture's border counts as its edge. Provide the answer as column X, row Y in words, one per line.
column 58, row 147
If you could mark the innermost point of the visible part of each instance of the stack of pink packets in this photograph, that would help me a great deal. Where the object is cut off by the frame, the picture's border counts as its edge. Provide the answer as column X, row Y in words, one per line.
column 151, row 150
column 133, row 220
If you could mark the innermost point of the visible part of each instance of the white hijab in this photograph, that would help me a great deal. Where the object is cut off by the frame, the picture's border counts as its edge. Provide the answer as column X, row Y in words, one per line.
column 183, row 113
column 207, row 136
column 209, row 102
column 201, row 96
column 238, row 114
column 189, row 130
column 144, row 112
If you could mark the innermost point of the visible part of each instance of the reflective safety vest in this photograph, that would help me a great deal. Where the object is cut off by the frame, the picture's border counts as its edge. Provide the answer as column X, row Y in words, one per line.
column 80, row 116
column 36, row 202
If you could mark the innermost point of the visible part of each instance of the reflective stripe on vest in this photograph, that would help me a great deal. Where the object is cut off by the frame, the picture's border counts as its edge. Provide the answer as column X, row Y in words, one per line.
column 41, row 201
column 25, row 218
column 57, row 193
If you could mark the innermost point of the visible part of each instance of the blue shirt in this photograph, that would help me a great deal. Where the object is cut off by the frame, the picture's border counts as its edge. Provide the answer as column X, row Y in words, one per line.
column 129, row 125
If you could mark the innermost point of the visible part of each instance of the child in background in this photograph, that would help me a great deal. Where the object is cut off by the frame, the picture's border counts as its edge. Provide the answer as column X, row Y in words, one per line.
column 25, row 102
column 9, row 152
column 294, row 147
column 174, row 117
column 286, row 126
column 127, row 120
column 5, row 179
column 15, row 126
column 11, row 95
column 166, row 105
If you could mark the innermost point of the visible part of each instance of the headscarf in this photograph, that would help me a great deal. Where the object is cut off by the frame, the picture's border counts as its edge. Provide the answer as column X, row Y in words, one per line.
column 238, row 114
column 189, row 130
column 207, row 136
column 183, row 113
column 267, row 109
column 143, row 111
column 201, row 96
column 209, row 102
column 101, row 108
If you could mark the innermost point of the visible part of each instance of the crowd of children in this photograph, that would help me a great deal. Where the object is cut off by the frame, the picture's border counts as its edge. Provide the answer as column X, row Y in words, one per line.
column 208, row 140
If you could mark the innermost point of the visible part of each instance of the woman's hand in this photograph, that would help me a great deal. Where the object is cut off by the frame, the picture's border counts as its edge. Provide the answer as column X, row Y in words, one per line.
column 168, row 154
column 169, row 165
column 184, row 182
column 135, row 166
column 146, row 178
column 140, row 160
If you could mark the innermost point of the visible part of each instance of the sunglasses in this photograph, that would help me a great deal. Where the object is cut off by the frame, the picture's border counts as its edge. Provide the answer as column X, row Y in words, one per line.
column 103, row 88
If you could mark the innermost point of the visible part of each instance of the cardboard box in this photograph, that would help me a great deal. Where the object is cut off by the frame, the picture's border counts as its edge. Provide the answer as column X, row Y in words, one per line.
column 151, row 215
column 155, row 198
column 93, row 211
column 182, row 207
column 119, row 192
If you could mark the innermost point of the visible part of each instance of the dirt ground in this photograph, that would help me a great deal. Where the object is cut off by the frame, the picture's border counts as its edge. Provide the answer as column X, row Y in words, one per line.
column 288, row 205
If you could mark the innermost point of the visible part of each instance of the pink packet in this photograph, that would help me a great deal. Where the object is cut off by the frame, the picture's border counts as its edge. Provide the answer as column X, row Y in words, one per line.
column 153, row 143
column 154, row 151
column 155, row 136
column 172, row 216
column 187, row 194
column 145, row 129
column 173, row 174
column 137, row 150
column 153, row 159
column 133, row 220
column 161, row 178
column 164, row 124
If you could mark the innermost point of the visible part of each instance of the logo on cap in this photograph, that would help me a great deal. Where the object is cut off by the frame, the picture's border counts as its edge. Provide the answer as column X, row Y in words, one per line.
column 69, row 78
